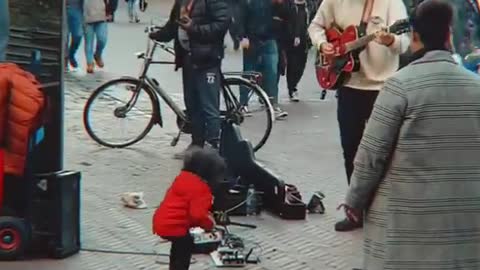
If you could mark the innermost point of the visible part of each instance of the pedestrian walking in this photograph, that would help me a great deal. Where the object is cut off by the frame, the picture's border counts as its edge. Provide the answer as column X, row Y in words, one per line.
column 75, row 29
column 298, row 45
column 133, row 6
column 416, row 173
column 114, row 6
column 4, row 28
column 281, row 22
column 260, row 49
column 379, row 60
column 199, row 31
column 96, row 14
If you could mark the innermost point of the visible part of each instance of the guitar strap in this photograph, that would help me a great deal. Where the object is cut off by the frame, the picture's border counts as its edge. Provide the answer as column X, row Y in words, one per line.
column 367, row 12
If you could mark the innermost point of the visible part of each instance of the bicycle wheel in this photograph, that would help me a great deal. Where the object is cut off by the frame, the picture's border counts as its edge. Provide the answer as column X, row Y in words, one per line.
column 247, row 105
column 115, row 109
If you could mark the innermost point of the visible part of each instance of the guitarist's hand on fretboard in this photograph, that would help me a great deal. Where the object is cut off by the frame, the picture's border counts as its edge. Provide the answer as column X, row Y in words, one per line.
column 384, row 38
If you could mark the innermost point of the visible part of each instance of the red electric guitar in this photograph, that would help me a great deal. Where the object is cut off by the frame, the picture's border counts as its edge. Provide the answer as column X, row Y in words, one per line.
column 333, row 71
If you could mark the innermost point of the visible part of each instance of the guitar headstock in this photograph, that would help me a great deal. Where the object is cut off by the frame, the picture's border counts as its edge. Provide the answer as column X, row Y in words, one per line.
column 399, row 27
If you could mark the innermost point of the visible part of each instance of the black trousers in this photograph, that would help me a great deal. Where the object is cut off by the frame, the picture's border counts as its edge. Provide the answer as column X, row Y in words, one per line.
column 181, row 252
column 353, row 110
column 296, row 62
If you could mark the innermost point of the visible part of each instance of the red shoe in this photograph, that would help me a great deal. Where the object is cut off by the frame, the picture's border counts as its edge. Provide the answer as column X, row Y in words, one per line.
column 90, row 68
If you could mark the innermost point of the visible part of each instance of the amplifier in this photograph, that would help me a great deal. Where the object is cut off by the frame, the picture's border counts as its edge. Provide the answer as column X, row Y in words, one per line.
column 54, row 213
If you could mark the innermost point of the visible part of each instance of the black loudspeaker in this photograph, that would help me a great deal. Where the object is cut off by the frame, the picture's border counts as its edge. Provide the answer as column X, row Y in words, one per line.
column 54, row 214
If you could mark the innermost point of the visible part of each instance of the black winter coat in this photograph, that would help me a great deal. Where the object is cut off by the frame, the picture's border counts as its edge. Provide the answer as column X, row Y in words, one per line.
column 210, row 22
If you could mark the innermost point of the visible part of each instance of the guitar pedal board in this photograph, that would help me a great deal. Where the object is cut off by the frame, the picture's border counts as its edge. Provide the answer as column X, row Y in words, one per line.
column 228, row 257
column 205, row 242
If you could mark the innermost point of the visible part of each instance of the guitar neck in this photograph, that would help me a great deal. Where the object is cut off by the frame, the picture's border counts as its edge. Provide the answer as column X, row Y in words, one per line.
column 363, row 41
column 359, row 43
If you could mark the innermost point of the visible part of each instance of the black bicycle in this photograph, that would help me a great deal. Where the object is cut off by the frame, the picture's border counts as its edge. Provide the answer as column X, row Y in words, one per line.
column 135, row 103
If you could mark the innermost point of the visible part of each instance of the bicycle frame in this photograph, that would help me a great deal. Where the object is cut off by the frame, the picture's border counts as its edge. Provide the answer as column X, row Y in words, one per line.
column 233, row 110
column 152, row 84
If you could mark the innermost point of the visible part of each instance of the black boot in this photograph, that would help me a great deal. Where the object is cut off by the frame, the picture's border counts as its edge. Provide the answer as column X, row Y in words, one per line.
column 347, row 225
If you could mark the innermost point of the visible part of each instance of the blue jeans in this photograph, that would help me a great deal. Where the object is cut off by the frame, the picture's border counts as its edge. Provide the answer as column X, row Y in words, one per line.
column 4, row 28
column 262, row 57
column 132, row 9
column 99, row 31
column 201, row 91
column 75, row 30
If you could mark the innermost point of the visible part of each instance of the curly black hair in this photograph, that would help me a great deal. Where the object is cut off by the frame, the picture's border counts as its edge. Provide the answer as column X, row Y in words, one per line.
column 207, row 164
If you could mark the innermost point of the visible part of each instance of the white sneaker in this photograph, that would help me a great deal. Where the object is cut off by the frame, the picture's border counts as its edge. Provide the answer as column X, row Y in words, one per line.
column 280, row 114
column 294, row 97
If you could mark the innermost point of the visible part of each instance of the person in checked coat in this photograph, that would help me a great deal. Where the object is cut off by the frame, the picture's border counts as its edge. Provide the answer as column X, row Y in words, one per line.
column 417, row 171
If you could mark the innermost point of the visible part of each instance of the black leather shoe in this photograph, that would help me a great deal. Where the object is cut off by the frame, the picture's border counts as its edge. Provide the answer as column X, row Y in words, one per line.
column 346, row 225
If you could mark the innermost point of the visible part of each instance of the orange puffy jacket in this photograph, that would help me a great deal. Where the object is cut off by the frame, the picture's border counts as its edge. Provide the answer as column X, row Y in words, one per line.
column 21, row 103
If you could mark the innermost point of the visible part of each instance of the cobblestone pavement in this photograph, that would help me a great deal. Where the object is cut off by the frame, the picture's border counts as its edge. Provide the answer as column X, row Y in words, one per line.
column 304, row 150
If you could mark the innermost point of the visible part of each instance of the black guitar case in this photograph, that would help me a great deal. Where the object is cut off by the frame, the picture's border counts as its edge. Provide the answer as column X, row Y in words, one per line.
column 278, row 197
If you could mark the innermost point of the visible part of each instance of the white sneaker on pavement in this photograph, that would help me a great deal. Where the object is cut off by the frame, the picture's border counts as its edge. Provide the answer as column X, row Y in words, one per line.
column 294, row 97
column 280, row 114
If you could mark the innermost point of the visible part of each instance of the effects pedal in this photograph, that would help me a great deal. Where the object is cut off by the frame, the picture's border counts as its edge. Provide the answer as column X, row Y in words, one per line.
column 205, row 242
column 227, row 257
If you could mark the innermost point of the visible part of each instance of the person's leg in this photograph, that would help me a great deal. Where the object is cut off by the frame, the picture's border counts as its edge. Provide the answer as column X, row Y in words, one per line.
column 351, row 123
column 292, row 62
column 130, row 9
column 208, row 86
column 114, row 9
column 270, row 70
column 135, row 10
column 89, row 40
column 174, row 252
column 101, row 32
column 354, row 108
column 190, row 95
column 4, row 28
column 250, row 59
column 75, row 28
column 282, row 61
column 181, row 253
column 299, row 57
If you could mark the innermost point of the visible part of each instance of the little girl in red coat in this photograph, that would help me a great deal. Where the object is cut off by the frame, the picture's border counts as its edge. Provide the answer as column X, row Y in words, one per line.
column 187, row 204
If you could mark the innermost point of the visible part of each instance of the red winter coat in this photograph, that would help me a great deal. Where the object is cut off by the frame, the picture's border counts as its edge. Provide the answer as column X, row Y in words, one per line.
column 21, row 106
column 186, row 205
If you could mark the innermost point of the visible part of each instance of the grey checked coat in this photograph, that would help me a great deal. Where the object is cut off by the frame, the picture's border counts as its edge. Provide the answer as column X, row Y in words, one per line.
column 417, row 170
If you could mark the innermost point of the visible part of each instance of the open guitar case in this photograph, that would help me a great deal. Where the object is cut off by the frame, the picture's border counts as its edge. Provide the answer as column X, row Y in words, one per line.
column 277, row 196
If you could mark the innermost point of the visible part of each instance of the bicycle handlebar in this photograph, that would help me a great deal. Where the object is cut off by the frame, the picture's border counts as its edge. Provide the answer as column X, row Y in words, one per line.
column 153, row 28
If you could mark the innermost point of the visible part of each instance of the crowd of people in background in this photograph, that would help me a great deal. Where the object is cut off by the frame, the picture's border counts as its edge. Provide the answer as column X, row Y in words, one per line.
column 274, row 39
column 88, row 19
